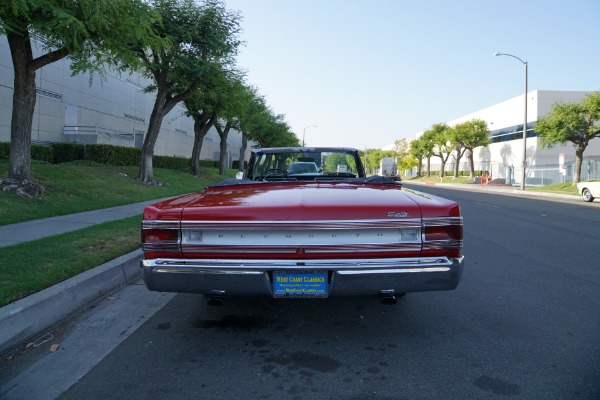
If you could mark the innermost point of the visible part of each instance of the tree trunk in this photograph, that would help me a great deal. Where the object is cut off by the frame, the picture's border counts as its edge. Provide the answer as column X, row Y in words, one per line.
column 419, row 167
column 163, row 104
column 197, row 149
column 471, row 163
column 578, row 162
column 429, row 166
column 243, row 150
column 223, row 146
column 201, row 128
column 457, row 166
column 158, row 113
column 23, row 107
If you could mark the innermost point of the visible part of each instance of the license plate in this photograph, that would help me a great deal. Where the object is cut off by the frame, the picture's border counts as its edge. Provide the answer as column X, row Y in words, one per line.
column 299, row 284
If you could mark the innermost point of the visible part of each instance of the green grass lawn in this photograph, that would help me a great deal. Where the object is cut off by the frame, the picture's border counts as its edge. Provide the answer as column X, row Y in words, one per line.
column 70, row 188
column 73, row 188
column 560, row 188
column 30, row 267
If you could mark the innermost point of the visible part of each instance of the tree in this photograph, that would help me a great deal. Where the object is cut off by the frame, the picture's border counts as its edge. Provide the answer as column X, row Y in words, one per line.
column 253, row 115
column 198, row 36
column 457, row 143
column 89, row 32
column 402, row 147
column 230, row 112
column 203, row 107
column 468, row 136
column 402, row 151
column 275, row 132
column 440, row 136
column 423, row 148
column 577, row 123
column 373, row 159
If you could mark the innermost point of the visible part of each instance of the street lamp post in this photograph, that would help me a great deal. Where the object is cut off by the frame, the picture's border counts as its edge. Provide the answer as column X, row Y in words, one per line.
column 524, row 119
column 304, row 132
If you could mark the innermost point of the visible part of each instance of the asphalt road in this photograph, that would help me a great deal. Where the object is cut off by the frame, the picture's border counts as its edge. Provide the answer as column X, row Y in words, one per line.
column 523, row 324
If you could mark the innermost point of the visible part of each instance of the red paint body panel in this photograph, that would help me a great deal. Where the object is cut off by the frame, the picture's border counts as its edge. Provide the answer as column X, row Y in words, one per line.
column 305, row 201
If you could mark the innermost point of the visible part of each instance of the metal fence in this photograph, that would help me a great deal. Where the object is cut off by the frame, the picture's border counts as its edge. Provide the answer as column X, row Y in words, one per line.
column 537, row 175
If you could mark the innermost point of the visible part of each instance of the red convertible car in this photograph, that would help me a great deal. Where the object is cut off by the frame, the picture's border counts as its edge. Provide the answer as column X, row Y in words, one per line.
column 326, row 231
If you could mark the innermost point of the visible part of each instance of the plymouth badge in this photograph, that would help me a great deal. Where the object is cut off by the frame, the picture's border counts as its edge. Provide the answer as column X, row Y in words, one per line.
column 401, row 214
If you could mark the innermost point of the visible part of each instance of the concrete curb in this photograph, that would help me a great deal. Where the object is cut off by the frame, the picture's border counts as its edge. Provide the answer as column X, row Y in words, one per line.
column 30, row 316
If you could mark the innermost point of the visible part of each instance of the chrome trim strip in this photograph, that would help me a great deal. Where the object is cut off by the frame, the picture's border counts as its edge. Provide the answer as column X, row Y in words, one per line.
column 307, row 249
column 160, row 247
column 316, row 224
column 158, row 224
column 302, row 225
column 442, row 244
column 442, row 221
column 367, row 264
column 397, row 271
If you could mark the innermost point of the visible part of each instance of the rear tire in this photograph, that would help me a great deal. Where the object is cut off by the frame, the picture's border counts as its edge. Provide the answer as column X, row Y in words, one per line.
column 587, row 195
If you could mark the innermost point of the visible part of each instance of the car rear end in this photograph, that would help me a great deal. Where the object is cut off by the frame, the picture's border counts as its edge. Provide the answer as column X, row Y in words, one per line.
column 315, row 240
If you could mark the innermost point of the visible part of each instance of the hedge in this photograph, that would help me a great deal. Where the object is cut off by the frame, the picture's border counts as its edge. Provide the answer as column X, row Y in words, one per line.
column 113, row 155
column 4, row 150
column 42, row 153
column 104, row 154
column 236, row 164
column 67, row 152
column 169, row 162
column 38, row 152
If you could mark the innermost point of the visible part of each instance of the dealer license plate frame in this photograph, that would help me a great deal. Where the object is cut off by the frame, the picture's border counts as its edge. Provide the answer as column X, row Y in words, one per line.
column 296, row 283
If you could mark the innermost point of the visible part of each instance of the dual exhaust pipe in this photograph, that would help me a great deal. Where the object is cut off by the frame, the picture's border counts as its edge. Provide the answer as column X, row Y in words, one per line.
column 386, row 297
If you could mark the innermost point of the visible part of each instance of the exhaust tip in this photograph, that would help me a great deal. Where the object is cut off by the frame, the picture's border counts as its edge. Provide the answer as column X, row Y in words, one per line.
column 387, row 297
column 388, row 300
column 213, row 301
column 216, row 298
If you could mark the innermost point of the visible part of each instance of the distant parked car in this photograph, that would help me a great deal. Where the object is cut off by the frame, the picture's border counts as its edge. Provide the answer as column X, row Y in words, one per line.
column 588, row 190
column 300, row 167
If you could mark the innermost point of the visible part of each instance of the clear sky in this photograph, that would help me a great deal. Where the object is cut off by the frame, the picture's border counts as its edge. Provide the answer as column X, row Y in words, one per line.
column 373, row 71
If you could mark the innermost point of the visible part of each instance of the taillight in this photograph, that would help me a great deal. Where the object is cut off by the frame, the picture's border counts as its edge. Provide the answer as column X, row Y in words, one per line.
column 442, row 235
column 159, row 236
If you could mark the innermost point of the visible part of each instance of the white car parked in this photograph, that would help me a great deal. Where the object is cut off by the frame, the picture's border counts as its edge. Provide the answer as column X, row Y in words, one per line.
column 588, row 190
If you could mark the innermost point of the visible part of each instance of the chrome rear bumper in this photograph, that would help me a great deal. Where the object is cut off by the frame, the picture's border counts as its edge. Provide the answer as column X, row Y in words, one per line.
column 346, row 277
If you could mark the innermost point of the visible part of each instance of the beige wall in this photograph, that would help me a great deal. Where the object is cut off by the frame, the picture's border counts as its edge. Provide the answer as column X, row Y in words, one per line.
column 114, row 111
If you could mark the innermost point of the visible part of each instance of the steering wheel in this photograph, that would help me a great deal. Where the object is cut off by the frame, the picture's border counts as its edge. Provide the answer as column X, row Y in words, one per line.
column 274, row 172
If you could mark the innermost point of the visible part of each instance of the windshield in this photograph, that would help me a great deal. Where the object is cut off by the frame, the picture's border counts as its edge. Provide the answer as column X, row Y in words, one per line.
column 305, row 164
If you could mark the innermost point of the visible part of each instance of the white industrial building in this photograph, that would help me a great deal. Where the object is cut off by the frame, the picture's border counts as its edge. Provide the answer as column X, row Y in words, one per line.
column 503, row 158
column 115, row 111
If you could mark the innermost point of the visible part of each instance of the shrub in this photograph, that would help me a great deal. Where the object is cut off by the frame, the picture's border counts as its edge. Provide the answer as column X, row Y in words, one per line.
column 236, row 164
column 209, row 164
column 178, row 163
column 4, row 150
column 113, row 155
column 42, row 153
column 38, row 152
column 67, row 152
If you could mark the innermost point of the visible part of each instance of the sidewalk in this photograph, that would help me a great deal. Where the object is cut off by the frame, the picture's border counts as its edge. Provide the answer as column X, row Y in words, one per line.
column 37, row 229
column 28, row 317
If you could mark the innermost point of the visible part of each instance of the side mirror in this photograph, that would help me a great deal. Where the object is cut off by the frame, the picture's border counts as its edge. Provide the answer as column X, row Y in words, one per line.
column 239, row 175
